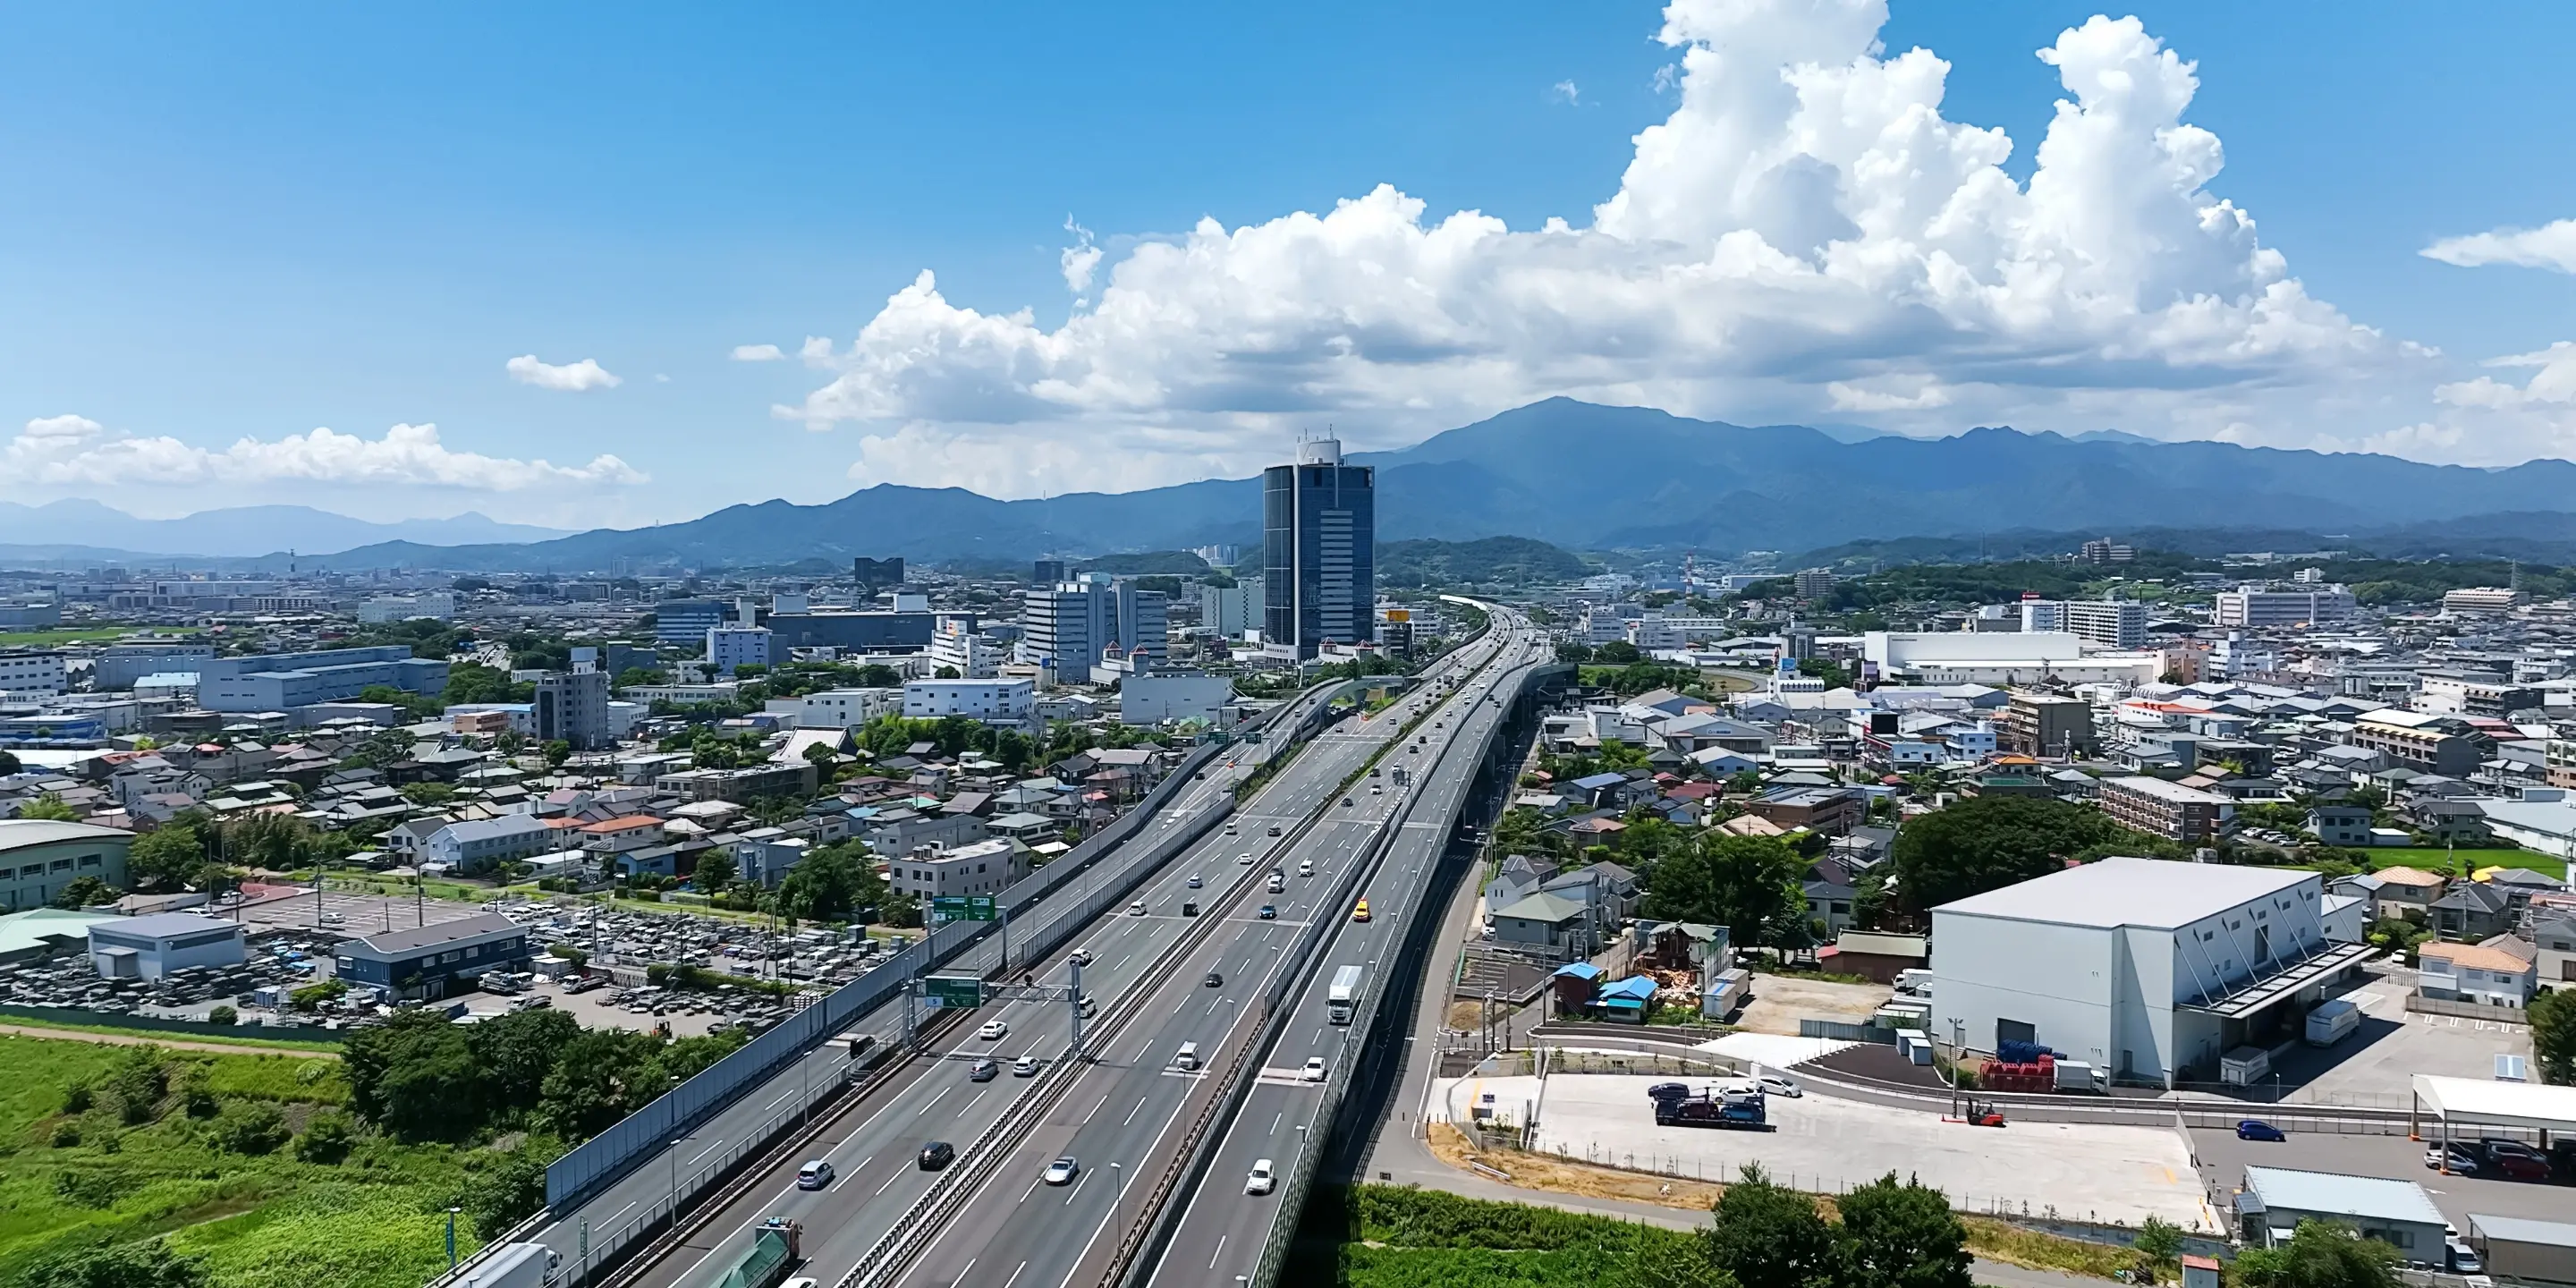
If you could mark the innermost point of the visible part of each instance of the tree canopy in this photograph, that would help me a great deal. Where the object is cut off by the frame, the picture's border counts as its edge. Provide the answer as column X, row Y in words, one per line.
column 1988, row 842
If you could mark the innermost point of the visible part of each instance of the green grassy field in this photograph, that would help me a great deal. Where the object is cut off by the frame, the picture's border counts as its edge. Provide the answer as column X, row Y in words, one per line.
column 2434, row 860
column 109, row 1173
column 71, row 635
column 248, row 1038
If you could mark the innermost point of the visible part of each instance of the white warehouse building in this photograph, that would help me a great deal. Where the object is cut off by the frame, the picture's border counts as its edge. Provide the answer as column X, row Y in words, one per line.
column 2150, row 969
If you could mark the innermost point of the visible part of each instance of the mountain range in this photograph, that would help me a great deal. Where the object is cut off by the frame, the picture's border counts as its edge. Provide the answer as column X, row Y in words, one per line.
column 1591, row 477
column 243, row 530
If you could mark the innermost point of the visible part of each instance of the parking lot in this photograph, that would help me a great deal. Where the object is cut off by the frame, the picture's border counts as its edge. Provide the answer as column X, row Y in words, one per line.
column 343, row 915
column 2223, row 1160
column 1780, row 1001
column 2371, row 1067
column 2081, row 1171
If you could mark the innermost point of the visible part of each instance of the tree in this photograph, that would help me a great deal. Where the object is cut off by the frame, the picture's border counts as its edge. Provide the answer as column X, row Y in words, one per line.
column 223, row 1015
column 149, row 1264
column 509, row 1189
column 49, row 808
column 1988, row 842
column 251, row 1127
column 948, row 673
column 2319, row 1255
column 414, row 1076
column 471, row 683
column 1749, row 884
column 2158, row 1243
column 715, row 872
column 1769, row 1236
column 326, row 1139
column 428, row 792
column 595, row 1081
column 2552, row 1016
column 1617, row 653
column 557, row 752
column 515, row 1052
column 85, row 892
column 820, row 756
column 165, row 857
column 1903, row 1236
column 828, row 884
column 8, row 764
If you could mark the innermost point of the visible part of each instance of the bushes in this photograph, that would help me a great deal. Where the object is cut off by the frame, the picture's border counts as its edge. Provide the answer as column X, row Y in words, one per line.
column 223, row 1015
column 252, row 1127
column 326, row 1139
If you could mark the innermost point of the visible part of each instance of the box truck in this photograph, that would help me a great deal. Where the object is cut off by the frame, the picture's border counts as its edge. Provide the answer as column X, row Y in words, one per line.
column 1345, row 994
column 2332, row 1022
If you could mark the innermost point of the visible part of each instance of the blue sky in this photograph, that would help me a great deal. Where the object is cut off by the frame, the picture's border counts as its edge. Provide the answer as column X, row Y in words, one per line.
column 231, row 227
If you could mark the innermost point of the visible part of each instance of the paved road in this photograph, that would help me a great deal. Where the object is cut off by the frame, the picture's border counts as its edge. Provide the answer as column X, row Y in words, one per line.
column 1223, row 1229
column 873, row 1150
column 594, row 1222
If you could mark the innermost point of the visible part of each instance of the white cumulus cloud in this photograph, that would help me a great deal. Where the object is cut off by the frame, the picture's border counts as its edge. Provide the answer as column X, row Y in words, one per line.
column 576, row 377
column 1805, row 233
column 74, row 450
column 1565, row 91
column 2552, row 245
column 757, row 353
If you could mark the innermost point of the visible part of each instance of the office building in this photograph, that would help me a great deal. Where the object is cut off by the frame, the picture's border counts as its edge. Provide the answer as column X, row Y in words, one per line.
column 481, row 844
column 1812, row 583
column 2255, row 607
column 868, row 632
column 729, row 647
column 1073, row 625
column 1318, row 551
column 33, row 673
column 1046, row 572
column 984, row 867
column 404, row 608
column 428, row 961
column 2169, row 810
column 2106, row 552
column 957, row 646
column 2149, row 969
column 2046, row 724
column 286, row 681
column 154, row 946
column 684, row 623
column 874, row 575
column 1231, row 610
column 38, row 857
column 2463, row 693
column 1158, row 696
column 843, row 708
column 1009, row 703
column 2108, row 623
column 2396, row 1213
column 572, row 706
column 2481, row 599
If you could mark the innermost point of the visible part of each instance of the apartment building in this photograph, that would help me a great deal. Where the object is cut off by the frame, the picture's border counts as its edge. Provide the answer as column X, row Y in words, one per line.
column 956, row 645
column 2252, row 607
column 994, row 702
column 33, row 673
column 2170, row 810
column 729, row 647
column 2482, row 599
column 572, row 706
column 2424, row 741
column 2465, row 693
column 985, row 867
column 2046, row 724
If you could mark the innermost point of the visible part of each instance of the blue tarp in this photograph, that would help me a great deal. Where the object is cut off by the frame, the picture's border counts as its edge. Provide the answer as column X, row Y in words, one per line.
column 1580, row 970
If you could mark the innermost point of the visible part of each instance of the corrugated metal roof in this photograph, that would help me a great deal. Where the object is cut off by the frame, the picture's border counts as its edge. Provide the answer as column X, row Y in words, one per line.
column 2341, row 1195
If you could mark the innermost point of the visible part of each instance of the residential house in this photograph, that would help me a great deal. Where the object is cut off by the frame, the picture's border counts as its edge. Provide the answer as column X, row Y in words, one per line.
column 2553, row 939
column 2472, row 910
column 1546, row 924
column 2475, row 973
column 1518, row 877
column 479, row 845
column 1831, row 887
column 2408, row 892
column 1830, row 811
column 1607, row 888
column 618, row 835
column 2340, row 824
column 2450, row 820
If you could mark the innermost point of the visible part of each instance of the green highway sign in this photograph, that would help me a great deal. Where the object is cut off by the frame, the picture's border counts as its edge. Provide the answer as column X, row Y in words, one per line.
column 964, row 907
column 946, row 991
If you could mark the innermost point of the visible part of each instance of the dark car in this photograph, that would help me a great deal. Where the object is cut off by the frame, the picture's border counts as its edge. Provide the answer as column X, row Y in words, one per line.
column 1215, row 980
column 1189, row 910
column 1663, row 1091
column 2256, row 1129
column 937, row 1154
column 2518, row 1166
column 982, row 1070
column 1269, row 912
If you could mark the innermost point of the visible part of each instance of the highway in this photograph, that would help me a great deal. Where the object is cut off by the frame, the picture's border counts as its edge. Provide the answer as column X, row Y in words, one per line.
column 641, row 1195
column 873, row 1148
column 1223, row 1229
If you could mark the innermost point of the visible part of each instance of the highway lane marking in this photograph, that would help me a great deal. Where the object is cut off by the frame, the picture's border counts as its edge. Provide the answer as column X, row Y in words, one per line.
column 970, row 1105
column 890, row 1180
column 1078, row 1183
column 1220, row 1251
column 943, row 1094
column 708, row 1150
column 1131, row 1114
column 774, row 1104
column 1032, row 1189
column 1015, row 1276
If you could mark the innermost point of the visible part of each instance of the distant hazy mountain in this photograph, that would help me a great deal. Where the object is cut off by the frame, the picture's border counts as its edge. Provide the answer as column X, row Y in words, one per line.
column 246, row 530
column 1587, row 477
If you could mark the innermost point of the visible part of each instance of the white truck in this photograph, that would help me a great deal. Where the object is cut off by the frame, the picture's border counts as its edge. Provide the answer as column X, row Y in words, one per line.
column 2076, row 1075
column 2244, row 1066
column 1345, row 995
column 515, row 1265
column 2332, row 1021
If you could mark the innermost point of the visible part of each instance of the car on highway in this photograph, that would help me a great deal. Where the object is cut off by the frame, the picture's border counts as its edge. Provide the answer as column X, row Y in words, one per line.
column 1215, row 980
column 1305, row 867
column 1774, row 1085
column 1274, row 829
column 2452, row 1159
column 2257, row 1129
column 1360, row 912
column 1061, row 1171
column 1195, row 882
column 1136, row 909
column 937, row 1154
column 814, row 1175
column 1244, row 859
column 982, row 1070
column 994, row 1030
column 1346, row 802
column 1079, row 956
column 1314, row 1070
column 1270, row 912
column 1189, row 910
column 1262, row 1178
column 1024, row 1067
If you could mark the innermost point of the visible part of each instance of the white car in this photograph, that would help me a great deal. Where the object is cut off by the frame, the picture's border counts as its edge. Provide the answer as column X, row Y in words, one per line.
column 1061, row 1171
column 1244, row 858
column 1136, row 909
column 1024, row 1067
column 1079, row 957
column 1262, row 1178
column 1314, row 1070
column 814, row 1175
column 993, row 1030
column 1775, row 1085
